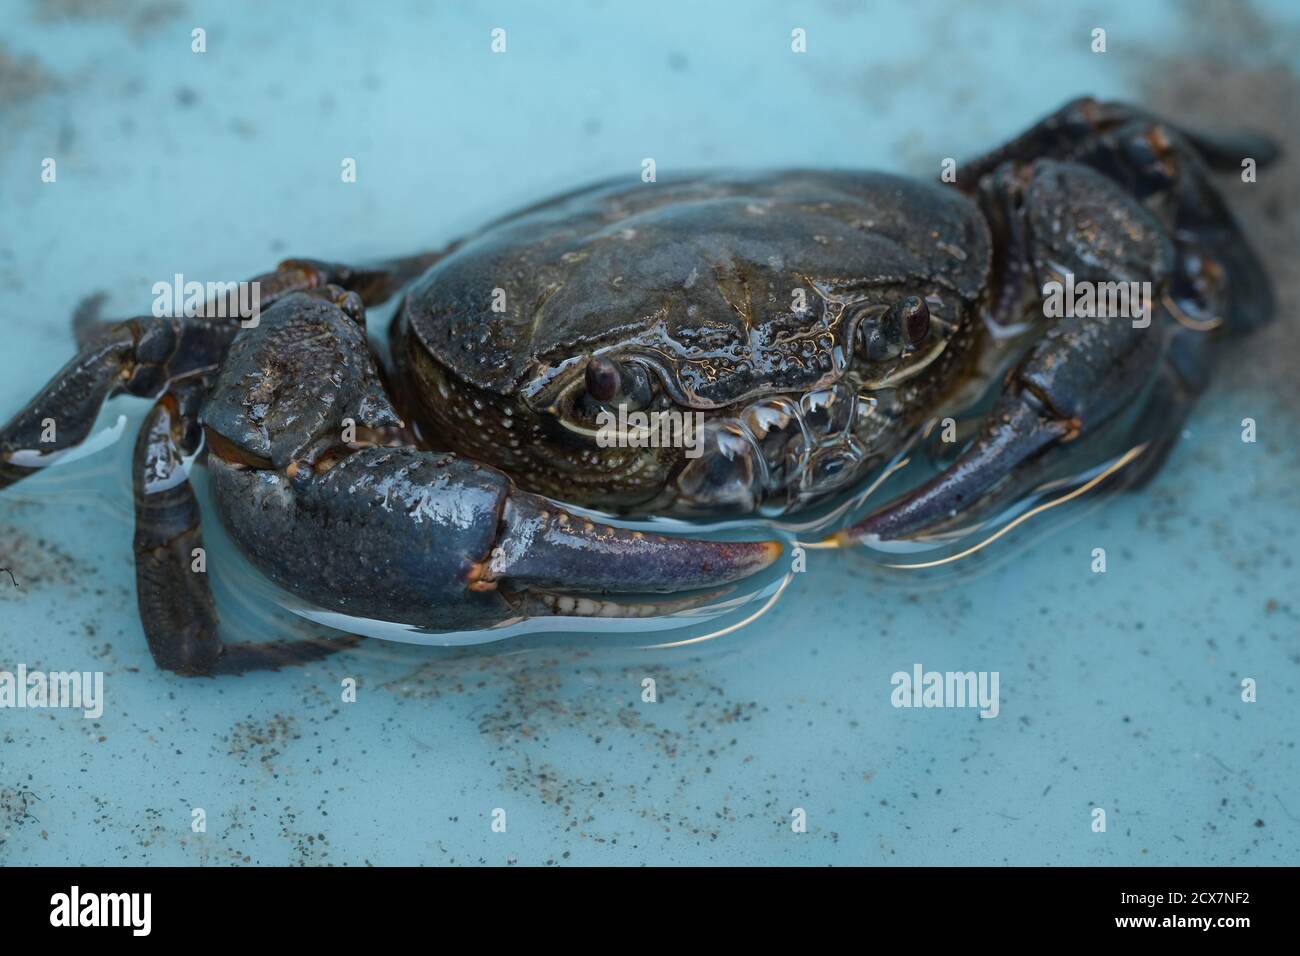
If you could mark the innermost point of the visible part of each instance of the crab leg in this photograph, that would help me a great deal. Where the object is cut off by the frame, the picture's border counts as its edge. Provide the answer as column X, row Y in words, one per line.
column 1165, row 168
column 139, row 356
column 176, row 607
column 143, row 356
column 177, row 612
column 1073, row 132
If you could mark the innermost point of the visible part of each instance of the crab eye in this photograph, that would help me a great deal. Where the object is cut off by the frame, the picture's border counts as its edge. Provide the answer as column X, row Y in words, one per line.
column 603, row 378
column 915, row 316
column 904, row 326
column 611, row 382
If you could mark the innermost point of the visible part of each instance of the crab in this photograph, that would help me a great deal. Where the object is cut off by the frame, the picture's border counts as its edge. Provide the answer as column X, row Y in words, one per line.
column 812, row 320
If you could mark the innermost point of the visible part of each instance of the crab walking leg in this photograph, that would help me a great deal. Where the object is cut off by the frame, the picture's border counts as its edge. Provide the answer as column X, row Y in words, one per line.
column 1218, row 277
column 176, row 607
column 373, row 283
column 61, row 416
column 143, row 355
column 139, row 356
column 1072, row 132
column 433, row 540
column 1167, row 169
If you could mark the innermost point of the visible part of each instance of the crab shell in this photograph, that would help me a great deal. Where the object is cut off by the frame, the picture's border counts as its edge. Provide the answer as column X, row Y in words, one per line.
column 741, row 294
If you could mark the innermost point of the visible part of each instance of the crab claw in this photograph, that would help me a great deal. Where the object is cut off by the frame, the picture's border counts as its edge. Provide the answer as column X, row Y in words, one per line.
column 543, row 546
column 1084, row 389
column 439, row 542
column 981, row 474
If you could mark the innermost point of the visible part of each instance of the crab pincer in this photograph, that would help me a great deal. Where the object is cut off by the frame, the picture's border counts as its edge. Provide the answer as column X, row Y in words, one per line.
column 434, row 541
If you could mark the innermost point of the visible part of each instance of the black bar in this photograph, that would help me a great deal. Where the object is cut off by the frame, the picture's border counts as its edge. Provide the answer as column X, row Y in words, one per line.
column 971, row 904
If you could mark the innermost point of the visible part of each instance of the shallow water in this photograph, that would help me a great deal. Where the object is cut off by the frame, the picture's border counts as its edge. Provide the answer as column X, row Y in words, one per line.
column 1119, row 690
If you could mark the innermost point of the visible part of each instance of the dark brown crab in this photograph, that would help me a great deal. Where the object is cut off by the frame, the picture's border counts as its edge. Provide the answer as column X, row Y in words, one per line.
column 814, row 318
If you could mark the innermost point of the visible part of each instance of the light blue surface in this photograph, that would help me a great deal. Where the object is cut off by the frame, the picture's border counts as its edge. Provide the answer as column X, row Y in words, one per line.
column 1119, row 691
